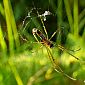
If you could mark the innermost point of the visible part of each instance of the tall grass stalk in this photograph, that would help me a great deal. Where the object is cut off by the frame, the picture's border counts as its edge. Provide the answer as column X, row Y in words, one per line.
column 81, row 20
column 1, row 9
column 69, row 14
column 3, row 43
column 9, row 27
column 16, row 75
column 13, row 26
column 60, row 20
column 12, row 35
column 75, row 17
column 82, row 14
column 81, row 24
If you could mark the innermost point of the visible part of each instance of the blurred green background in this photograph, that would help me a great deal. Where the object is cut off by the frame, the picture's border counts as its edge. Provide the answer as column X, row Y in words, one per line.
column 23, row 61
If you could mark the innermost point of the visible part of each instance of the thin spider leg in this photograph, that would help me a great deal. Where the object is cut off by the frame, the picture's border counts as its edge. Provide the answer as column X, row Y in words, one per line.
column 43, row 26
column 53, row 34
column 37, row 42
column 26, row 25
column 53, row 60
column 36, row 38
column 62, row 48
column 41, row 21
column 56, row 67
column 74, row 50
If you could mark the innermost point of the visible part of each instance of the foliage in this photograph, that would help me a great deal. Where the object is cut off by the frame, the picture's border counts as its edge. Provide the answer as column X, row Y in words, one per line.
column 23, row 61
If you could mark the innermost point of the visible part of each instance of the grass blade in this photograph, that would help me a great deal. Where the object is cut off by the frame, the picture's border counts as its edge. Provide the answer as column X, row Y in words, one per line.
column 69, row 14
column 76, row 18
column 9, row 28
column 3, row 43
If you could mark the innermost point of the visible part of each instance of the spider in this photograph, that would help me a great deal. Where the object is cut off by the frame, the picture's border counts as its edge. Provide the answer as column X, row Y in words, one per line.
column 49, row 44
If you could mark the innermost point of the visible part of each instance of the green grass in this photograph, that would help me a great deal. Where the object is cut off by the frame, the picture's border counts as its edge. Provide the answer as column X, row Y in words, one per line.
column 26, row 62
